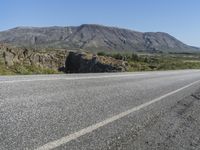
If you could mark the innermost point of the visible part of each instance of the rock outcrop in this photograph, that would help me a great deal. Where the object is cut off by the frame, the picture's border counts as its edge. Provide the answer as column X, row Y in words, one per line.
column 62, row 60
column 43, row 58
column 83, row 62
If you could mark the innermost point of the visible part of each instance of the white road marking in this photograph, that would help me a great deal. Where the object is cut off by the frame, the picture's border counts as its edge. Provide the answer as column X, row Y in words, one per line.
column 93, row 127
column 71, row 78
column 93, row 77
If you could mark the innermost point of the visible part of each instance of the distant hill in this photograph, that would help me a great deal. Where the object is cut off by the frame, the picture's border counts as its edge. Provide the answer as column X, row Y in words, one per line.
column 94, row 38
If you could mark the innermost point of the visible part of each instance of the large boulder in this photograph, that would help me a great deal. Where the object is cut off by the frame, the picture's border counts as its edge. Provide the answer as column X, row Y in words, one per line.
column 84, row 62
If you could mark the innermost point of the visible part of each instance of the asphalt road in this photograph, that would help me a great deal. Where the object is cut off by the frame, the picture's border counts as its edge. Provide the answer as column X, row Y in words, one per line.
column 143, row 110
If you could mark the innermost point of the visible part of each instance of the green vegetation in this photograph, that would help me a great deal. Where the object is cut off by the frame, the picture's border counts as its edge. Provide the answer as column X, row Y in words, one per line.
column 25, row 70
column 134, row 62
column 151, row 62
column 4, row 70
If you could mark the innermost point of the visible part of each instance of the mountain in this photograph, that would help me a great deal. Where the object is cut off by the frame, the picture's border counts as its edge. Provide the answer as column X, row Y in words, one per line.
column 94, row 38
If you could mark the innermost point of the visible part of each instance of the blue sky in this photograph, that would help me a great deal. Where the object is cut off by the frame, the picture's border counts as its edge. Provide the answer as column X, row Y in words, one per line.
column 180, row 18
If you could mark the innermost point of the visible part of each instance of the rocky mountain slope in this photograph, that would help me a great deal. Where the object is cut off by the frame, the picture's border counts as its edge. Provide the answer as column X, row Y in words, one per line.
column 94, row 38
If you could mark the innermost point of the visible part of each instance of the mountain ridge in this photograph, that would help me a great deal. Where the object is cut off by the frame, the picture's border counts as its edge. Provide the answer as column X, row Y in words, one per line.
column 94, row 37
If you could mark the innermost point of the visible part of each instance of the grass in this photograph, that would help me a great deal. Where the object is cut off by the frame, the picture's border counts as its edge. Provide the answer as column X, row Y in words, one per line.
column 4, row 70
column 18, row 69
column 136, row 62
column 151, row 62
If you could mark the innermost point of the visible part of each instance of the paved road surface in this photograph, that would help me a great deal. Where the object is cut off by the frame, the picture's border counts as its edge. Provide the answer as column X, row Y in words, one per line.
column 143, row 110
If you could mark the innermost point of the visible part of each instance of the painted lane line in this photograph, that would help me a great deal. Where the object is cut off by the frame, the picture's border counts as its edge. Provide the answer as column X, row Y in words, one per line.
column 89, row 77
column 73, row 136
column 73, row 78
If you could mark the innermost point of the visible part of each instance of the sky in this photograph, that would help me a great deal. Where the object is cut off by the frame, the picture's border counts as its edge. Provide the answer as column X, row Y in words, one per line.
column 180, row 18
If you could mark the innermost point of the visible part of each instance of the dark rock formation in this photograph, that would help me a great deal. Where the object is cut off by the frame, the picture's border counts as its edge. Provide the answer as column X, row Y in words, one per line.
column 82, row 62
